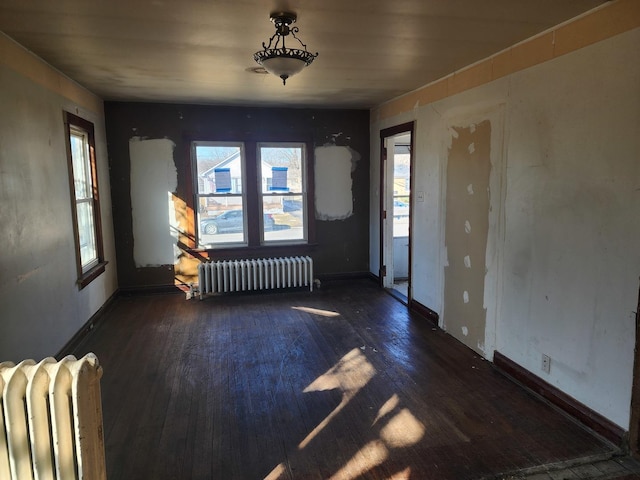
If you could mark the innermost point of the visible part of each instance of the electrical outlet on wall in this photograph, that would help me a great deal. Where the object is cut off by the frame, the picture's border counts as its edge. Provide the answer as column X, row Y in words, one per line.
column 546, row 363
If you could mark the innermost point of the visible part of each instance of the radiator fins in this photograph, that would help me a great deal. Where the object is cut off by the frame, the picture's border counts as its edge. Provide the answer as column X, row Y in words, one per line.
column 255, row 274
column 51, row 420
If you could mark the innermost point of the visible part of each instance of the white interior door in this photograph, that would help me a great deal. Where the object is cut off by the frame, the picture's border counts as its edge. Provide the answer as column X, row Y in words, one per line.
column 396, row 205
column 388, row 253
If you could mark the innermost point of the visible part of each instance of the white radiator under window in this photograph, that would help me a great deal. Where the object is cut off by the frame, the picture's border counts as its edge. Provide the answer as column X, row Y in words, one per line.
column 51, row 420
column 255, row 274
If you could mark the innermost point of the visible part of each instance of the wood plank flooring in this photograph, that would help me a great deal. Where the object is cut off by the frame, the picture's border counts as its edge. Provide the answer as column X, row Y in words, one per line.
column 341, row 383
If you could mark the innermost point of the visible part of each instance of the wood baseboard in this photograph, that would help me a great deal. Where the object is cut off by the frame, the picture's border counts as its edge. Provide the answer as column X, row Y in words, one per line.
column 325, row 277
column 81, row 334
column 424, row 311
column 150, row 290
column 96, row 318
column 564, row 402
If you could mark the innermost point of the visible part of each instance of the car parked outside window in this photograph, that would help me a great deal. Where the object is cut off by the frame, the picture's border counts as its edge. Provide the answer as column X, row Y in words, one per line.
column 230, row 221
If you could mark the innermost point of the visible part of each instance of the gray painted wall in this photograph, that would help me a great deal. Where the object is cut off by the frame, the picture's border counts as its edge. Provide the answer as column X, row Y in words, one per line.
column 41, row 307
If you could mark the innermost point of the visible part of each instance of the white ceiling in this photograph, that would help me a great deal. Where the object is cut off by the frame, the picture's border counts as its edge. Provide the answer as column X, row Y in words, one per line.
column 201, row 51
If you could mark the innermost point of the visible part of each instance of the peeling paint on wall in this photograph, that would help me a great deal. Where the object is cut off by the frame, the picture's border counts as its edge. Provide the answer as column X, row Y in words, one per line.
column 333, row 189
column 153, row 179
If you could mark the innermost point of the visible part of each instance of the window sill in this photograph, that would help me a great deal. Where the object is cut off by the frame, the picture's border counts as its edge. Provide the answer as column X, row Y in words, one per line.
column 91, row 275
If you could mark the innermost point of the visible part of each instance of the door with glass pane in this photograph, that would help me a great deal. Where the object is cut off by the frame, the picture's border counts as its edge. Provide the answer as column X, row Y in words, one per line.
column 396, row 165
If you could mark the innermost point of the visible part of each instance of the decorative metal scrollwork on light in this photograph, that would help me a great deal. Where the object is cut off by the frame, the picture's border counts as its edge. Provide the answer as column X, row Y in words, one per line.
column 279, row 59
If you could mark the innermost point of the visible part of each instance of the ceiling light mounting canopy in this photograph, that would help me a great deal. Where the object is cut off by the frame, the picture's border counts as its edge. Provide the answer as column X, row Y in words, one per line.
column 276, row 57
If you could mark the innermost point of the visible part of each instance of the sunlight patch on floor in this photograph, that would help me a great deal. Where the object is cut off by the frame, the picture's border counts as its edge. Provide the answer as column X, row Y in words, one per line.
column 316, row 311
column 276, row 473
column 388, row 407
column 349, row 375
column 403, row 475
column 369, row 456
column 398, row 427
column 403, row 430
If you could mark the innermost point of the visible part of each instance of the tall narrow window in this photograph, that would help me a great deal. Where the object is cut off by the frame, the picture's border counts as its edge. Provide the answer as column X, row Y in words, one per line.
column 85, row 199
column 220, row 176
column 282, row 170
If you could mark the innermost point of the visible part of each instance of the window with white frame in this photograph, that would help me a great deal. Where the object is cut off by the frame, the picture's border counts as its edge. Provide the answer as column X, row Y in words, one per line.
column 220, row 173
column 283, row 192
column 85, row 204
column 249, row 194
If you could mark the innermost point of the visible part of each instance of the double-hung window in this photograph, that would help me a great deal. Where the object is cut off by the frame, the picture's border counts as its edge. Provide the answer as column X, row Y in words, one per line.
column 85, row 204
column 283, row 192
column 220, row 176
column 250, row 194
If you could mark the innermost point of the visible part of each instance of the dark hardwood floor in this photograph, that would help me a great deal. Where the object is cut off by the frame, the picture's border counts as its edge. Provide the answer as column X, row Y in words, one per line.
column 341, row 383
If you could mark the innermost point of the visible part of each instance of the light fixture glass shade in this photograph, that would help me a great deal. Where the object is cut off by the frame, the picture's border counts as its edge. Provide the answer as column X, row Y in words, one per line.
column 283, row 67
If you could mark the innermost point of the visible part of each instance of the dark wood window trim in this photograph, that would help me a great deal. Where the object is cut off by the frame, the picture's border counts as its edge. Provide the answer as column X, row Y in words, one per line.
column 90, row 275
column 254, row 247
column 87, row 276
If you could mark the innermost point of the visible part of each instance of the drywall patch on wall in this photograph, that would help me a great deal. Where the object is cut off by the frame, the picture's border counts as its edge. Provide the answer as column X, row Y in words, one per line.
column 153, row 179
column 333, row 189
column 466, row 231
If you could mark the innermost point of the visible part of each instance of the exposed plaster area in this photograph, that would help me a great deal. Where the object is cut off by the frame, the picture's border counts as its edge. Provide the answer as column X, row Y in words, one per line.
column 333, row 192
column 466, row 231
column 153, row 179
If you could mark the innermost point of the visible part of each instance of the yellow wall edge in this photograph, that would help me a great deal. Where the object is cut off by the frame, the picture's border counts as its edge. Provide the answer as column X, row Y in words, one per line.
column 614, row 18
column 17, row 58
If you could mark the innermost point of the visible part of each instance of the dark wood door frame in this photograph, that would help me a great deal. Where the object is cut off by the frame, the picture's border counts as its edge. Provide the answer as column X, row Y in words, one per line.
column 634, row 425
column 408, row 127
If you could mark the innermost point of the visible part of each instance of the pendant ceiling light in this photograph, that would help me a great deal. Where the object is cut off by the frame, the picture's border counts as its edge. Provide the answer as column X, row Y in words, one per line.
column 276, row 57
